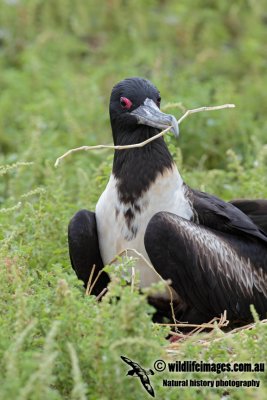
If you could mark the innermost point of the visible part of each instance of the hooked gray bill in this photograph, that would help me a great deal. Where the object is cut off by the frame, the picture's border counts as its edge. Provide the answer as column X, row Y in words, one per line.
column 149, row 114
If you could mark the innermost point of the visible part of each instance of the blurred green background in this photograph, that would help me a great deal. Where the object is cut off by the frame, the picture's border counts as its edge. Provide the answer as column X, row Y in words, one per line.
column 58, row 63
column 60, row 59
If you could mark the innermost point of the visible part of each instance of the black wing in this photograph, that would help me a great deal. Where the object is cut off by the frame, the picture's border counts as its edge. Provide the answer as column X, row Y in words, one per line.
column 146, row 383
column 223, row 217
column 84, row 249
column 211, row 271
column 132, row 364
column 256, row 210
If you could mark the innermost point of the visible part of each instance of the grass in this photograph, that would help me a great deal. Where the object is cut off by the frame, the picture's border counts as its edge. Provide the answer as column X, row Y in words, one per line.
column 58, row 63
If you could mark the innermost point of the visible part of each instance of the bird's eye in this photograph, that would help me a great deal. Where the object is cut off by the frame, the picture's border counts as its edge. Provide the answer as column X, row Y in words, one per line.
column 158, row 101
column 126, row 104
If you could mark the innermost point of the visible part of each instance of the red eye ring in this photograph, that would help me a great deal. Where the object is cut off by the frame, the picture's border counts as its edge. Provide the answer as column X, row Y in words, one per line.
column 126, row 104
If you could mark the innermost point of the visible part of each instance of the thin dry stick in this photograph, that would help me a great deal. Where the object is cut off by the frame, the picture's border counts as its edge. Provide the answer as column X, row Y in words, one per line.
column 88, row 291
column 93, row 284
column 207, row 340
column 204, row 326
column 233, row 332
column 221, row 323
column 196, row 330
column 109, row 146
column 200, row 109
column 101, row 294
column 137, row 145
column 125, row 251
column 247, row 327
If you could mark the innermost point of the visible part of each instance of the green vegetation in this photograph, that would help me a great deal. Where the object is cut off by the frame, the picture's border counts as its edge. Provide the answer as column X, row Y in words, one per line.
column 58, row 63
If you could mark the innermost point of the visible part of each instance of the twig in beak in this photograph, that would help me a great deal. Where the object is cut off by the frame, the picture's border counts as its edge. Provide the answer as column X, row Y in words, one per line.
column 137, row 145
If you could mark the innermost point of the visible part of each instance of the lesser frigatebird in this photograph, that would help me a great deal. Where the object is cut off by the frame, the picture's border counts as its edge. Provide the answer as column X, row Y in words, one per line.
column 214, row 254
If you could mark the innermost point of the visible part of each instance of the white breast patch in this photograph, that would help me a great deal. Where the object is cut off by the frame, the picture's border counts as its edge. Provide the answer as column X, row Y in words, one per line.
column 122, row 226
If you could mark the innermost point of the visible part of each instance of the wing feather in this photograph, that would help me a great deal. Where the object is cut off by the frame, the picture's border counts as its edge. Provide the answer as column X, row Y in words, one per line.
column 132, row 364
column 224, row 217
column 84, row 249
column 256, row 210
column 210, row 271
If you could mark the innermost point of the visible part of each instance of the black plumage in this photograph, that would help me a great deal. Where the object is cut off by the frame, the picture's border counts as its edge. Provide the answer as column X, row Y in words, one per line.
column 135, row 169
column 256, row 210
column 141, row 373
column 214, row 252
column 84, row 250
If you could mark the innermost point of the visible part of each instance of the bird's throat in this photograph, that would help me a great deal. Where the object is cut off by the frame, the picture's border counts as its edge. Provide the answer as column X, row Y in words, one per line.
column 136, row 169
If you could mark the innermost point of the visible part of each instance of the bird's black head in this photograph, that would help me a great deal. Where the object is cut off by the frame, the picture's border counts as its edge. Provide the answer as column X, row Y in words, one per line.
column 135, row 106
column 135, row 116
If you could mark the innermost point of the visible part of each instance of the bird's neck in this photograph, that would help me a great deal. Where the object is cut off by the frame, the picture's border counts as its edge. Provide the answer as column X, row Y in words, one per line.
column 136, row 169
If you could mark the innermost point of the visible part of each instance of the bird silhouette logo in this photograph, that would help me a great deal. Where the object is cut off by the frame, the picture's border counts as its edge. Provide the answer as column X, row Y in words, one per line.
column 140, row 373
